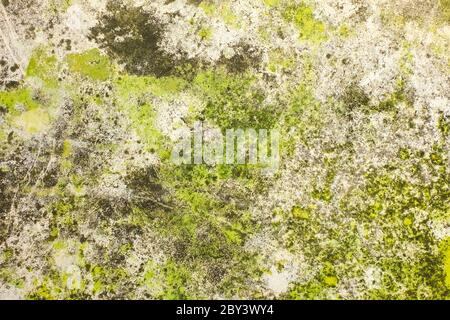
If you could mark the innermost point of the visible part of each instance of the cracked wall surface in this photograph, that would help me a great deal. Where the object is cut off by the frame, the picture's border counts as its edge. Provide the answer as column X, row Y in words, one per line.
column 93, row 93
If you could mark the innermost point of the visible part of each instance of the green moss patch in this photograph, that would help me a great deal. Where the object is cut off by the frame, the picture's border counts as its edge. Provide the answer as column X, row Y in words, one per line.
column 309, row 27
column 91, row 64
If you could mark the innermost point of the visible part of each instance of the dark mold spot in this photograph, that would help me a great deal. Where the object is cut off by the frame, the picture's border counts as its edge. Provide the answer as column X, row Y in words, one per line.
column 12, row 84
column 246, row 56
column 147, row 192
column 67, row 43
column 10, row 137
column 133, row 36
column 51, row 178
column 195, row 2
column 354, row 98
column 30, row 33
column 14, row 67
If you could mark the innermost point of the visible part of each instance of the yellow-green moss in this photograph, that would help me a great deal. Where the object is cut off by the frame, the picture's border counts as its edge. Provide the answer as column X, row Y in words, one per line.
column 309, row 27
column 228, row 16
column 232, row 101
column 446, row 258
column 33, row 121
column 171, row 278
column 67, row 149
column 91, row 64
column 59, row 5
column 344, row 31
column 8, row 276
column 131, row 88
column 16, row 98
column 222, row 10
column 208, row 7
column 134, row 96
column 300, row 213
column 280, row 61
column 44, row 66
column 205, row 33
column 272, row 3
column 445, row 9
column 59, row 245
column 330, row 281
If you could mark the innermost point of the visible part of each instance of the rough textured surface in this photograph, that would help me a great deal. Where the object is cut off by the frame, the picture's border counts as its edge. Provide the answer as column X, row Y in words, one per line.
column 92, row 92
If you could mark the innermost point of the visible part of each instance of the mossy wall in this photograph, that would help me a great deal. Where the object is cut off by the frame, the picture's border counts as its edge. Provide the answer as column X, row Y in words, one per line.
column 92, row 207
